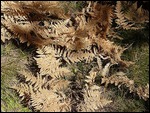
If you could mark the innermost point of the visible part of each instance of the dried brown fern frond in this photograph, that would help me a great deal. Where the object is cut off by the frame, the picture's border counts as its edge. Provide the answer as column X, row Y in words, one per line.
column 121, row 20
column 57, row 84
column 112, row 34
column 72, row 56
column 143, row 92
column 33, row 10
column 36, row 81
column 58, row 28
column 48, row 63
column 44, row 91
column 11, row 8
column 94, row 97
column 25, row 32
column 119, row 79
column 100, row 17
column 23, row 20
column 4, row 34
column 23, row 90
column 67, row 39
column 94, row 100
column 80, row 56
column 129, row 19
column 138, row 15
column 106, row 48
column 111, row 50
column 92, row 23
column 90, row 80
column 49, row 101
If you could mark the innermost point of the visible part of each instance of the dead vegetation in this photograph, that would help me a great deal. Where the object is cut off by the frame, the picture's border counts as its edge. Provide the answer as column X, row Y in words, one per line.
column 65, row 39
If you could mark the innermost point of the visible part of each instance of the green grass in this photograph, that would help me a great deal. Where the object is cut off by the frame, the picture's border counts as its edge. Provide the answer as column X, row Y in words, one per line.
column 12, row 60
column 138, row 53
column 123, row 101
column 122, row 104
column 139, row 72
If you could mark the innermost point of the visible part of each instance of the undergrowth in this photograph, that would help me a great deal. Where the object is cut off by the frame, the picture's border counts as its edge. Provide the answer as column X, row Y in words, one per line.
column 81, row 56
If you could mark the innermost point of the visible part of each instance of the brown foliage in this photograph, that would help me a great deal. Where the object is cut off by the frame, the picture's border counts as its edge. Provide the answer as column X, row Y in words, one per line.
column 69, row 38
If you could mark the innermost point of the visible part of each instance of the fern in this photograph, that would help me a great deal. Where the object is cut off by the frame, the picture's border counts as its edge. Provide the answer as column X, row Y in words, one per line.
column 22, row 89
column 46, row 59
column 126, row 21
column 120, row 79
column 137, row 15
column 43, row 93
column 50, row 102
column 4, row 34
column 93, row 99
column 63, row 40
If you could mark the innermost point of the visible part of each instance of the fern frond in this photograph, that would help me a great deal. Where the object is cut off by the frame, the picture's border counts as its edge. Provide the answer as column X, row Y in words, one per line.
column 143, row 92
column 121, row 20
column 72, row 56
column 131, row 18
column 91, row 78
column 93, row 100
column 50, row 101
column 32, row 10
column 80, row 55
column 46, row 59
column 5, row 35
column 22, row 89
column 26, row 33
column 137, row 15
column 44, row 94
column 57, row 85
column 12, row 8
column 119, row 79
column 57, row 28
column 112, row 51
column 64, row 39
column 113, row 35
